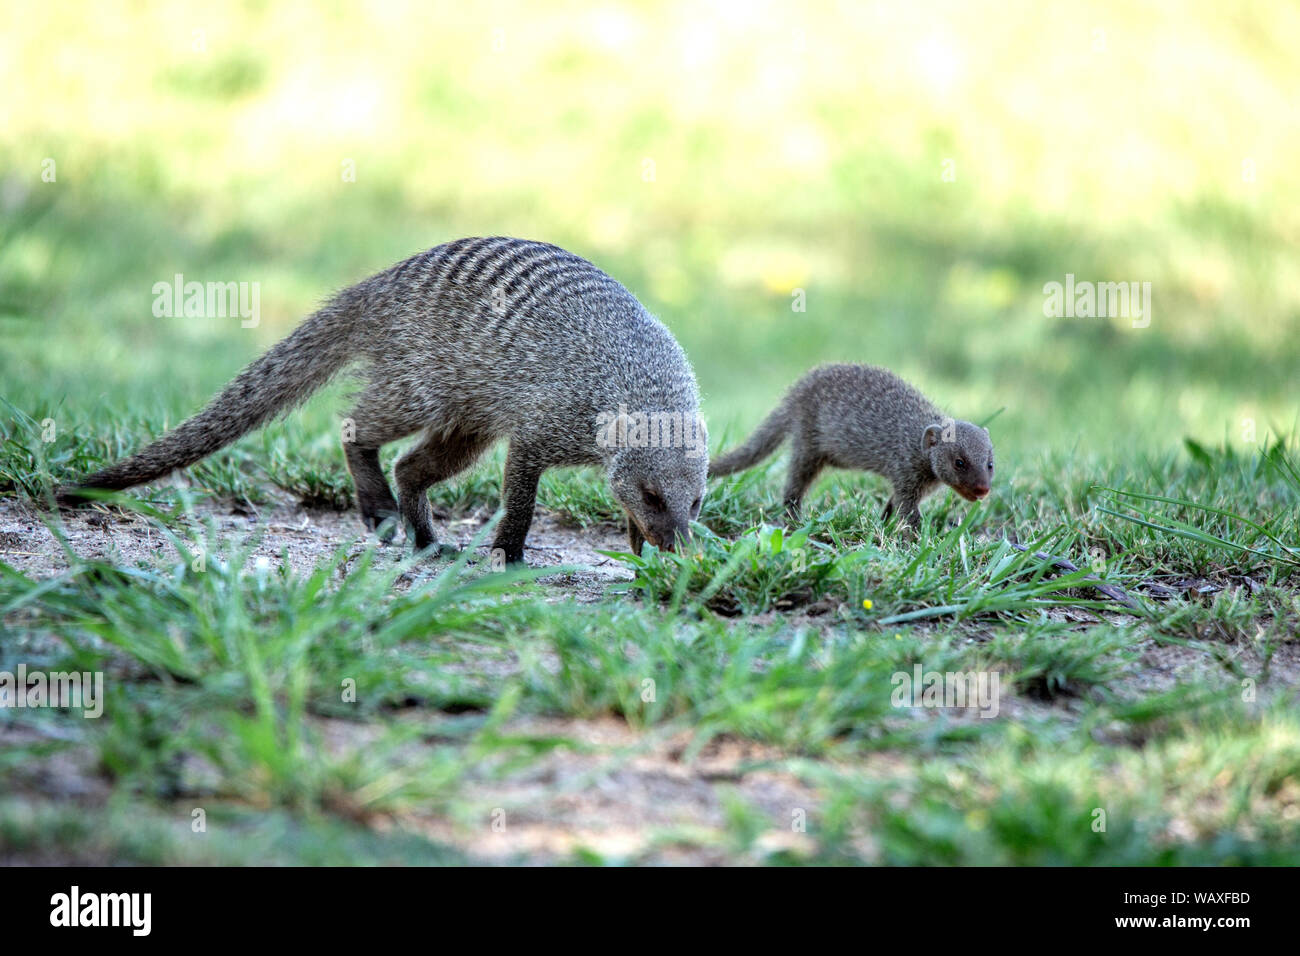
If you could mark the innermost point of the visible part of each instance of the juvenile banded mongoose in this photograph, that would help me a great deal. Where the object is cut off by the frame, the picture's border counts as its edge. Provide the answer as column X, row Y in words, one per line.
column 469, row 342
column 864, row 417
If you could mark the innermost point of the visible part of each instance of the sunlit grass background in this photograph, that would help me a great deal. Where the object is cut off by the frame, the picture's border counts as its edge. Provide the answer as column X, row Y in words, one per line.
column 918, row 172
column 714, row 157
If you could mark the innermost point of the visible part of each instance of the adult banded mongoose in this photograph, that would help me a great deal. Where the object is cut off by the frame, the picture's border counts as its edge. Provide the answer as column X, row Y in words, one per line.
column 863, row 417
column 469, row 342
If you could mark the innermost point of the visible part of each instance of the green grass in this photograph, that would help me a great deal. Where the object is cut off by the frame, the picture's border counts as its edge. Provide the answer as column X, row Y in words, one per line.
column 224, row 679
column 1162, row 460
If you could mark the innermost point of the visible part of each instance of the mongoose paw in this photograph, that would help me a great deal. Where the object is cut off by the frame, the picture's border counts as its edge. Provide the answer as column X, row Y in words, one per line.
column 509, row 555
column 437, row 551
column 70, row 496
column 427, row 545
column 384, row 526
column 420, row 537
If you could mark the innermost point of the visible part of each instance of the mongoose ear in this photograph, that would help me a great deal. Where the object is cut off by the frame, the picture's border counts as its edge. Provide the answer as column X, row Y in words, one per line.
column 930, row 437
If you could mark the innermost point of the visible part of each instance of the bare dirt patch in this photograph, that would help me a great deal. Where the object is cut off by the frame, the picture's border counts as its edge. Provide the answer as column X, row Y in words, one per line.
column 612, row 791
column 609, row 789
column 301, row 536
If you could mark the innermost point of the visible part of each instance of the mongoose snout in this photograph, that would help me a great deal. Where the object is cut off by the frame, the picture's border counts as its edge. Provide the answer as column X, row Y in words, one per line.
column 661, row 489
column 867, row 418
column 961, row 456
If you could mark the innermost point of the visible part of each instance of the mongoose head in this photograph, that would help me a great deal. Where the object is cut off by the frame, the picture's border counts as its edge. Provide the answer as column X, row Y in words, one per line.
column 661, row 489
column 961, row 456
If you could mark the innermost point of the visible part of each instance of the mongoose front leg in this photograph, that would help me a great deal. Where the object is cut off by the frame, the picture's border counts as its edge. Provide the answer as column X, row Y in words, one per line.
column 374, row 498
column 910, row 525
column 519, row 497
column 435, row 458
column 634, row 536
column 905, row 502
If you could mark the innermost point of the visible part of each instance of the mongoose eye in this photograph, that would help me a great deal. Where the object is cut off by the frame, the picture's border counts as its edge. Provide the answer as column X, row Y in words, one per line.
column 990, row 466
column 961, row 463
column 695, row 505
column 653, row 500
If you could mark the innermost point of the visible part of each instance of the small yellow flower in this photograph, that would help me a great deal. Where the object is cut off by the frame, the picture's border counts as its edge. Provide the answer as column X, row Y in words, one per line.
column 866, row 604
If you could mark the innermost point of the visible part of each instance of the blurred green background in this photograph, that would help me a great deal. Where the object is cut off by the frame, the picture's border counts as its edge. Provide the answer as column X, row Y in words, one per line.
column 920, row 170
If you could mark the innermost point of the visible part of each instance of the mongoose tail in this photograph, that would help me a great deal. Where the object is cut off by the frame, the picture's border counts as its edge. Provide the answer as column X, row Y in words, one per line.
column 283, row 377
column 765, row 440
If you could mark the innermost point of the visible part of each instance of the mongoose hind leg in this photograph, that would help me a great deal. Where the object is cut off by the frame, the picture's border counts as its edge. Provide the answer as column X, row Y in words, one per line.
column 436, row 457
column 805, row 465
column 519, row 496
column 367, row 429
column 374, row 498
